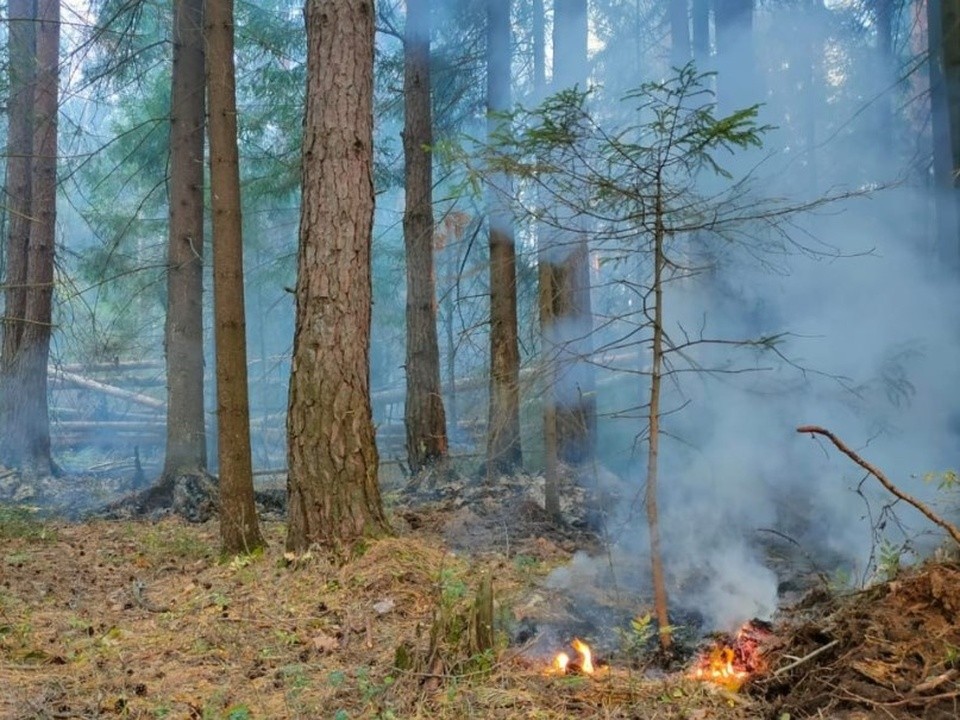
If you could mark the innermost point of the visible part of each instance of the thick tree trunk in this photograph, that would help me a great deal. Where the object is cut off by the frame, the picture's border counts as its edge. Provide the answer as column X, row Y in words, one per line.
column 239, row 529
column 569, row 325
column 21, row 69
column 504, row 453
column 424, row 415
column 334, row 498
column 26, row 418
column 186, row 436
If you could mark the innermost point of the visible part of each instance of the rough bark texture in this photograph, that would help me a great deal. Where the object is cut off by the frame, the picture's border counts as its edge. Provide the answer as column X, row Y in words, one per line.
column 424, row 415
column 504, row 453
column 26, row 416
column 239, row 529
column 334, row 499
column 950, row 41
column 186, row 437
column 679, row 32
column 21, row 74
column 568, row 326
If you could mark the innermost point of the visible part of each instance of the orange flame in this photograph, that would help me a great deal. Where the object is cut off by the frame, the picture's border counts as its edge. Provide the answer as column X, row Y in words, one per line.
column 731, row 665
column 717, row 666
column 586, row 656
column 562, row 662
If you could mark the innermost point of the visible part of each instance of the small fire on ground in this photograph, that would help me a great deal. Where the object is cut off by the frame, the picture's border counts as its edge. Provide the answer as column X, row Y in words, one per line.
column 730, row 661
column 582, row 663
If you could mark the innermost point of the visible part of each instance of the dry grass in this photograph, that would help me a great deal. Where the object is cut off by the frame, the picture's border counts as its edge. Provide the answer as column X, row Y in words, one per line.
column 140, row 620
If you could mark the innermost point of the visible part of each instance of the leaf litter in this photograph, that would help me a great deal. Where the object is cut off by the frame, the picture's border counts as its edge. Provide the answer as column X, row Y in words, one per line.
column 140, row 620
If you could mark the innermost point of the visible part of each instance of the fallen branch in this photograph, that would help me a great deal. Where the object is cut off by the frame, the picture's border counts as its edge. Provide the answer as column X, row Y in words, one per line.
column 952, row 529
column 805, row 658
column 67, row 378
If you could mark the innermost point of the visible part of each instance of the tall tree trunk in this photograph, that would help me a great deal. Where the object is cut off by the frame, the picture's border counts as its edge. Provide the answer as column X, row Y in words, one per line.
column 883, row 14
column 186, row 450
column 424, row 415
column 945, row 113
column 21, row 69
column 334, row 498
column 700, row 37
column 551, row 487
column 27, row 329
column 34, row 349
column 239, row 530
column 738, row 82
column 679, row 32
column 569, row 325
column 503, row 427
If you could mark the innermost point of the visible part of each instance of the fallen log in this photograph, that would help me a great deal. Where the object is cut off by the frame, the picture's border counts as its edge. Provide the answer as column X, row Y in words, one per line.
column 74, row 380
column 81, row 426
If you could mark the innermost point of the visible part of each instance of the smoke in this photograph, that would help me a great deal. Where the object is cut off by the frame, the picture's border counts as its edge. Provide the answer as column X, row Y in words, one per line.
column 868, row 329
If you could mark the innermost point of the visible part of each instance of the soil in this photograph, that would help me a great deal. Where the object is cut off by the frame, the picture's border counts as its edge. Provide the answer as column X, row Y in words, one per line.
column 139, row 618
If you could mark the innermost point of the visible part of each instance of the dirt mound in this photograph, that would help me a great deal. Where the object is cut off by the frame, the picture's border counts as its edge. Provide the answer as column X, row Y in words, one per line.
column 890, row 651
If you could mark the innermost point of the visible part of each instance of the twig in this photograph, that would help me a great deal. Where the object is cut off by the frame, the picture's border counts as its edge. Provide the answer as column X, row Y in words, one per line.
column 935, row 682
column 808, row 656
column 952, row 529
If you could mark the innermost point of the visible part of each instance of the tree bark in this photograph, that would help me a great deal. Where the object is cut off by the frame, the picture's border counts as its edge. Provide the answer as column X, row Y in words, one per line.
column 186, row 450
column 239, row 529
column 334, row 498
column 26, row 413
column 504, row 453
column 18, row 187
column 653, row 428
column 424, row 415
column 947, row 211
column 569, row 324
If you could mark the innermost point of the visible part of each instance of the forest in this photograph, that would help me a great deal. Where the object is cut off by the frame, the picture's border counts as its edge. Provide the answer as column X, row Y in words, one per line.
column 480, row 358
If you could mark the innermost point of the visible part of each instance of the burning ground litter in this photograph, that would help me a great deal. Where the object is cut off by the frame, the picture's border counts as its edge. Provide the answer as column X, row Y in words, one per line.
column 139, row 619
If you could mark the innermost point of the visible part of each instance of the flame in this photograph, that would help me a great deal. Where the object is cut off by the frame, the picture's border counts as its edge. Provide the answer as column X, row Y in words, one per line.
column 562, row 662
column 731, row 664
column 717, row 666
column 586, row 656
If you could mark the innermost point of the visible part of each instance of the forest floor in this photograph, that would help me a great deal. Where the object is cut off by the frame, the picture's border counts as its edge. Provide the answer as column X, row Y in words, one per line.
column 141, row 619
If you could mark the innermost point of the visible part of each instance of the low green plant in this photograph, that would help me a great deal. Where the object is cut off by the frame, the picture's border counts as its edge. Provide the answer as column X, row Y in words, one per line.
column 23, row 522
column 889, row 560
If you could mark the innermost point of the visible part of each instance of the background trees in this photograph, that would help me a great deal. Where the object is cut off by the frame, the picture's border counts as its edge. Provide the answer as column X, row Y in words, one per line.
column 186, row 449
column 239, row 529
column 824, row 74
column 424, row 417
